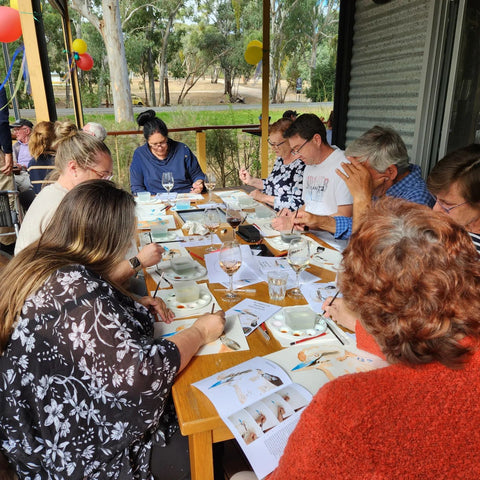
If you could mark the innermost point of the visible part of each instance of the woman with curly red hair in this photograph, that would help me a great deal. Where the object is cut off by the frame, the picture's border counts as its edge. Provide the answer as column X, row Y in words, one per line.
column 408, row 273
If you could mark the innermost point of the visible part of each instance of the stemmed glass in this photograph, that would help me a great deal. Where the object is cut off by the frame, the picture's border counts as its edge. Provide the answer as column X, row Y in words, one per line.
column 299, row 258
column 167, row 182
column 230, row 259
column 234, row 217
column 210, row 183
column 212, row 222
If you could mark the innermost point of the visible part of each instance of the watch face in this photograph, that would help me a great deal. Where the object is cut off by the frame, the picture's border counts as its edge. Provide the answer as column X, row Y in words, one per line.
column 135, row 262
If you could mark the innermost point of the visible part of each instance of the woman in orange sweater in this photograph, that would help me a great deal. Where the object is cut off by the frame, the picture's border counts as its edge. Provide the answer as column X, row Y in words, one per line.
column 409, row 273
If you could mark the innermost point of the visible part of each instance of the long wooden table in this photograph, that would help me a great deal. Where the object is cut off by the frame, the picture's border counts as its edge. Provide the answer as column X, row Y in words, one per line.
column 198, row 418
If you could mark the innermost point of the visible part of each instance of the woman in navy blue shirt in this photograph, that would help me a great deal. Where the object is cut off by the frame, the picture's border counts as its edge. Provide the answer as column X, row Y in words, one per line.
column 162, row 154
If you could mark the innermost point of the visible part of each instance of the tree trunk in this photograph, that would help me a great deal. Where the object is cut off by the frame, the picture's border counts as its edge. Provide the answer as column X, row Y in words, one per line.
column 228, row 84
column 151, row 80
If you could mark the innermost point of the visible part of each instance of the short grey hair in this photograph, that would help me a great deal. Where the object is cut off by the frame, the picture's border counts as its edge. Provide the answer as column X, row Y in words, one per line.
column 96, row 130
column 382, row 147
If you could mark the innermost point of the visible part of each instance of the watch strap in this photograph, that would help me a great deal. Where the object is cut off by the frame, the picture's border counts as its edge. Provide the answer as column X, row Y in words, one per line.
column 136, row 264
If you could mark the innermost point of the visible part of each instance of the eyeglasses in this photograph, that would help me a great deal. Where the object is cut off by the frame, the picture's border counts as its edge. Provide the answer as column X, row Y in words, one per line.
column 275, row 145
column 155, row 146
column 448, row 209
column 297, row 152
column 103, row 175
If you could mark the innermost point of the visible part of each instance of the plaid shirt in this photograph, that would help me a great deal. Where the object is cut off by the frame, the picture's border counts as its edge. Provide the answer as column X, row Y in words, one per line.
column 411, row 188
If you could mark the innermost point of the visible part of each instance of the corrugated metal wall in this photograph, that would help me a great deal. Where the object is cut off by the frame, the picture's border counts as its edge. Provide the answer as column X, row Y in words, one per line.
column 388, row 53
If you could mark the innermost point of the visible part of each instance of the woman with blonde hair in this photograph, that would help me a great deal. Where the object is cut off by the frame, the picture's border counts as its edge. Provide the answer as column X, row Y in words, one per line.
column 79, row 157
column 283, row 187
column 42, row 149
column 91, row 383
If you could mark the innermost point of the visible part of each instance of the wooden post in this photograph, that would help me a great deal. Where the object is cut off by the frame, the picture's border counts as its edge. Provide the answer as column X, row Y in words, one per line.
column 265, row 86
column 202, row 149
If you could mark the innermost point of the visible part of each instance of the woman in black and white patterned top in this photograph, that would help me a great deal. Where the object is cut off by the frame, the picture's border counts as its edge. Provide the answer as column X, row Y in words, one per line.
column 283, row 187
column 84, row 384
column 455, row 183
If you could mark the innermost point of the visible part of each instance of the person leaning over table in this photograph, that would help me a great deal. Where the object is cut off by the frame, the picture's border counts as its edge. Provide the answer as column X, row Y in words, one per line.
column 324, row 192
column 283, row 187
column 409, row 274
column 85, row 384
column 161, row 154
column 79, row 157
column 379, row 167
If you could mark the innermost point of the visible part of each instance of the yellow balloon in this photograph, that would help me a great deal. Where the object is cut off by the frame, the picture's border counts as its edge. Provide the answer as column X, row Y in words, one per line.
column 14, row 4
column 255, row 43
column 253, row 55
column 79, row 46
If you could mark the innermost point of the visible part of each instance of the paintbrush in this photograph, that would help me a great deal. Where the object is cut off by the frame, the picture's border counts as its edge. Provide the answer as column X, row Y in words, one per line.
column 293, row 223
column 158, row 286
column 328, row 325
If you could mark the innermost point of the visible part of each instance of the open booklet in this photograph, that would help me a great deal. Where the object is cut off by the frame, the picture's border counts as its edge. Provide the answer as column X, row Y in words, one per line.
column 261, row 405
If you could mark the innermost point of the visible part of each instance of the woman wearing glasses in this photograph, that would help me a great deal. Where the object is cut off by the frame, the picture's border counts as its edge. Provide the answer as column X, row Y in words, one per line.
column 161, row 154
column 455, row 182
column 283, row 187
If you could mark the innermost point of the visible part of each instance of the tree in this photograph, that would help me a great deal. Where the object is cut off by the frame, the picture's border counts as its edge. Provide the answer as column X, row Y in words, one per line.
column 108, row 24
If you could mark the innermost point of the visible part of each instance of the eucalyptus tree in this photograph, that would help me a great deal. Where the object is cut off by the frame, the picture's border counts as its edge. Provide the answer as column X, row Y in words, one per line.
column 105, row 17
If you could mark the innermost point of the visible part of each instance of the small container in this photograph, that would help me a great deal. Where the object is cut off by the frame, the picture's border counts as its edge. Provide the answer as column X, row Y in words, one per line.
column 301, row 318
column 143, row 197
column 183, row 204
column 277, row 284
column 182, row 265
column 289, row 235
column 186, row 291
column 263, row 212
column 159, row 231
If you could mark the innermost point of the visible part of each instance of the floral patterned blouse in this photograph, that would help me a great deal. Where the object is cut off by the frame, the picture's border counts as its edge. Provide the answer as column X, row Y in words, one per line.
column 83, row 385
column 285, row 183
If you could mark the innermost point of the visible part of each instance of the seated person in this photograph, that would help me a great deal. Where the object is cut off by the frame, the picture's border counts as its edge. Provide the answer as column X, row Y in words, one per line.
column 95, row 129
column 22, row 130
column 324, row 192
column 162, row 154
column 455, row 182
column 379, row 167
column 408, row 273
column 80, row 157
column 283, row 187
column 42, row 149
column 91, row 383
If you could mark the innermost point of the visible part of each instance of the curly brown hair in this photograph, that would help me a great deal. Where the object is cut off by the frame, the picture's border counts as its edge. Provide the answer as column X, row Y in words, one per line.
column 413, row 276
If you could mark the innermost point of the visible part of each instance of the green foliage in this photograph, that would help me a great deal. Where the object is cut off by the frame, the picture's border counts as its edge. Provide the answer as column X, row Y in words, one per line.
column 323, row 78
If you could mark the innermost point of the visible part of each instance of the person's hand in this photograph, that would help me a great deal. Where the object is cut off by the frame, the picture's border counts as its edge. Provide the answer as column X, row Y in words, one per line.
column 358, row 179
column 197, row 186
column 339, row 313
column 17, row 169
column 305, row 219
column 210, row 325
column 157, row 306
column 257, row 195
column 8, row 167
column 244, row 175
column 150, row 254
column 282, row 223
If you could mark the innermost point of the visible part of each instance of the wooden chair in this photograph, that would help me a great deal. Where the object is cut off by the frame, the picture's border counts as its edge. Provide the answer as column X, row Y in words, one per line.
column 46, row 180
column 10, row 216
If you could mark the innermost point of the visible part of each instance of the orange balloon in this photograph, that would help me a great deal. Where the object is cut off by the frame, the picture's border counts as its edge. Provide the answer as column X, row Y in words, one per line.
column 85, row 62
column 10, row 26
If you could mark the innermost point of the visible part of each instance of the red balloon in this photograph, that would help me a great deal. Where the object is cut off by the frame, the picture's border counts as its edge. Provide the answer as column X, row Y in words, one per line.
column 10, row 26
column 85, row 62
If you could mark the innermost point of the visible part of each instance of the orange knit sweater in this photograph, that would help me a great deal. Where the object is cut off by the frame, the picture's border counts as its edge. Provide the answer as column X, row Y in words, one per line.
column 393, row 423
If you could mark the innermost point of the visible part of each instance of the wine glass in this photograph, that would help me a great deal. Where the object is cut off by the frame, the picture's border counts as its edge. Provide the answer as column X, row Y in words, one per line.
column 299, row 258
column 230, row 259
column 234, row 217
column 210, row 183
column 167, row 182
column 212, row 222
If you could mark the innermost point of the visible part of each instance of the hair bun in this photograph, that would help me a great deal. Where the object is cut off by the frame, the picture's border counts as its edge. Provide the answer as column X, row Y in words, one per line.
column 145, row 117
column 65, row 130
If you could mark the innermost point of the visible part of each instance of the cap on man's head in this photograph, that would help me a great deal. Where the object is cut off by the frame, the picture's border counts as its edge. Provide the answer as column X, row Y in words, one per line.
column 290, row 114
column 23, row 122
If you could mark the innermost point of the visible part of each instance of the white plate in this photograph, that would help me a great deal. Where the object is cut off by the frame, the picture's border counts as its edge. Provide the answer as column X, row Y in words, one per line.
column 186, row 308
column 198, row 272
column 153, row 200
column 290, row 323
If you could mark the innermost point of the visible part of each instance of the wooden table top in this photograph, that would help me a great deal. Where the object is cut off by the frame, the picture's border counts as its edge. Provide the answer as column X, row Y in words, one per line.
column 194, row 410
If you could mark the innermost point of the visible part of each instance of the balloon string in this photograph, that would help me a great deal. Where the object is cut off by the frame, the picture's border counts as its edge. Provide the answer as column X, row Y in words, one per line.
column 19, row 49
column 30, row 13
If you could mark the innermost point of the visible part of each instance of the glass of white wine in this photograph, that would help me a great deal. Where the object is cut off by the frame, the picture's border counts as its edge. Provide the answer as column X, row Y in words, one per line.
column 210, row 183
column 167, row 182
column 212, row 222
column 230, row 259
column 299, row 258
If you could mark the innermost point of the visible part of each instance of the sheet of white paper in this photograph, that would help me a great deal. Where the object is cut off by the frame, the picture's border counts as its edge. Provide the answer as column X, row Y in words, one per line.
column 189, row 196
column 328, row 259
column 233, row 330
column 252, row 313
column 147, row 224
column 327, row 237
column 201, row 240
column 309, row 291
column 164, row 196
column 265, row 227
column 146, row 212
column 205, row 206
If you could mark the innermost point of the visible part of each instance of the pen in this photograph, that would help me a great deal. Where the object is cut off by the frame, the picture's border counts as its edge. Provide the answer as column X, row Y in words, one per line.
column 263, row 331
column 197, row 256
column 294, row 217
column 306, row 339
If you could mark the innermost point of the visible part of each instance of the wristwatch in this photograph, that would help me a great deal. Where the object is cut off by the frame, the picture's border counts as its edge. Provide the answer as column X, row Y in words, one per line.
column 135, row 263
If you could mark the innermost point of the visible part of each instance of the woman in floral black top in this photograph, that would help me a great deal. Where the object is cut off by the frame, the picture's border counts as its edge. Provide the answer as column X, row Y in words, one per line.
column 283, row 187
column 83, row 384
